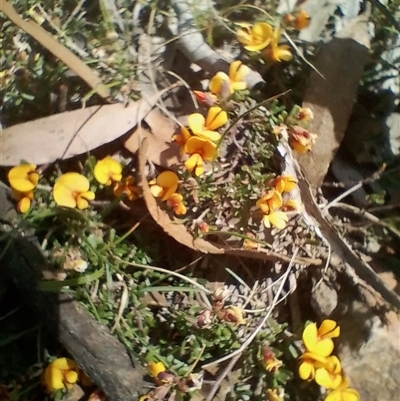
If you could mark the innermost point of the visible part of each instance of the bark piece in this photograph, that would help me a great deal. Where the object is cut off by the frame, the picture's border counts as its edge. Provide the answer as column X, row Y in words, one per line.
column 331, row 98
column 91, row 345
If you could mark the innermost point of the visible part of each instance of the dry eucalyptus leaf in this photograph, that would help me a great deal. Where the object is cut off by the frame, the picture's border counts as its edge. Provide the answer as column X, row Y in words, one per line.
column 161, row 151
column 176, row 231
column 57, row 49
column 68, row 134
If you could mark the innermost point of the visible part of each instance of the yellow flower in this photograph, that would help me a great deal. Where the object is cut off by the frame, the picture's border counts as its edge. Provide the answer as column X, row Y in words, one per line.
column 72, row 190
column 61, row 373
column 255, row 37
column 24, row 200
column 301, row 140
column 319, row 341
column 200, row 150
column 270, row 361
column 165, row 185
column 278, row 52
column 328, row 374
column 270, row 201
column 343, row 393
column 268, row 204
column 232, row 314
column 23, row 178
column 159, row 373
column 127, row 186
column 290, row 205
column 275, row 394
column 107, row 171
column 175, row 202
column 205, row 127
column 234, row 82
column 181, row 138
column 277, row 218
column 284, row 183
column 308, row 362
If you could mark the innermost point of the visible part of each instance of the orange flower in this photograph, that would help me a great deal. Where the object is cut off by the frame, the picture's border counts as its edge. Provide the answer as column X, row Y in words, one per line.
column 205, row 127
column 270, row 361
column 127, row 186
column 255, row 37
column 181, row 138
column 175, row 202
column 200, row 150
column 284, row 183
column 270, row 201
column 233, row 82
column 165, row 185
column 206, row 98
column 301, row 19
column 278, row 52
column 301, row 140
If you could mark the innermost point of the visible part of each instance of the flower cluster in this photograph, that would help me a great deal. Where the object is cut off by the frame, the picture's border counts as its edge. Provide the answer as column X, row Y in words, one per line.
column 164, row 187
column 262, row 35
column 62, row 374
column 295, row 129
column 318, row 363
column 275, row 202
column 71, row 189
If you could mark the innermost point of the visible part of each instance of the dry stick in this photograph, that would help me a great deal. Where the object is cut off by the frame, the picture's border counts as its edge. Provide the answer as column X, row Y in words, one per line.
column 235, row 355
column 368, row 216
column 191, row 43
column 359, row 184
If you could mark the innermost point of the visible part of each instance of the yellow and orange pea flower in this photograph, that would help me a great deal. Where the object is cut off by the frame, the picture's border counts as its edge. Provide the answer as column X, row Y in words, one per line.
column 300, row 139
column 343, row 393
column 72, row 190
column 208, row 99
column 329, row 374
column 128, row 188
column 319, row 340
column 175, row 202
column 23, row 180
column 200, row 150
column 181, row 137
column 206, row 127
column 283, row 183
column 107, row 171
column 60, row 374
column 164, row 185
column 277, row 52
column 269, row 360
column 159, row 373
column 232, row 314
column 254, row 37
column 299, row 20
column 221, row 82
column 269, row 203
